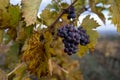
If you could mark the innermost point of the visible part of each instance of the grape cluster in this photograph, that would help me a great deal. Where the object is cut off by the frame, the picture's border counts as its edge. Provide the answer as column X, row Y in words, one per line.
column 72, row 37
column 71, row 13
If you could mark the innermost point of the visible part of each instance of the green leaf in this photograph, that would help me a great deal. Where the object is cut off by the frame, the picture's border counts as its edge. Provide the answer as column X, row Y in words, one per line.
column 29, row 9
column 89, row 24
column 10, row 19
column 115, row 11
column 14, row 13
column 1, row 36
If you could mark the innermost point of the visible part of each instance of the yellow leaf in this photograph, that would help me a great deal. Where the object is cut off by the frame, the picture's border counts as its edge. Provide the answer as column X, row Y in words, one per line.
column 30, row 9
column 89, row 24
column 115, row 11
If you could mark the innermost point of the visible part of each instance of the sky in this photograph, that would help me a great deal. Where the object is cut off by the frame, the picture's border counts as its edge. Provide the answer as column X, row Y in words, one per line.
column 108, row 27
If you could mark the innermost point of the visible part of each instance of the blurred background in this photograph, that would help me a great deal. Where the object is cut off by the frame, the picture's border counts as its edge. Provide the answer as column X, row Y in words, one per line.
column 102, row 64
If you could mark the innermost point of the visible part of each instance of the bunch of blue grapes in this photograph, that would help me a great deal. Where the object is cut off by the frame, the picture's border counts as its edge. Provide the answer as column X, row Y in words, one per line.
column 71, row 37
column 71, row 13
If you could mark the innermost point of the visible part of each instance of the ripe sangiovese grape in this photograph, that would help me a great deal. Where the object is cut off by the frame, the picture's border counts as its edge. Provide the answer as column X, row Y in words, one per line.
column 72, row 37
column 71, row 13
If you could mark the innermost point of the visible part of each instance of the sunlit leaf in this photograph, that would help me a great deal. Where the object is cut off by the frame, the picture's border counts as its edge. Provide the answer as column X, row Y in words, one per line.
column 97, row 10
column 30, row 9
column 89, row 24
column 115, row 11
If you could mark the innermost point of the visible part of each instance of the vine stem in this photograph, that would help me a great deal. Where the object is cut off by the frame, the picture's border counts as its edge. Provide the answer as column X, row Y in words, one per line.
column 52, row 25
column 20, row 65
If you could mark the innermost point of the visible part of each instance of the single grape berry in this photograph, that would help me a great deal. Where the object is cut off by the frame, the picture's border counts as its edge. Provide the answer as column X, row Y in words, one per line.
column 72, row 37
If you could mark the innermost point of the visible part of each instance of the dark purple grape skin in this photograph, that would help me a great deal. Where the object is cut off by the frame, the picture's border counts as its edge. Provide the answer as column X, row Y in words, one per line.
column 71, row 10
column 73, row 15
column 72, row 37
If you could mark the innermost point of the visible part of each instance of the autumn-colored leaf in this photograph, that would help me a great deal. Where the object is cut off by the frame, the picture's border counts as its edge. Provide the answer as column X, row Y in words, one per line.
column 30, row 9
column 89, row 24
column 35, row 56
column 115, row 11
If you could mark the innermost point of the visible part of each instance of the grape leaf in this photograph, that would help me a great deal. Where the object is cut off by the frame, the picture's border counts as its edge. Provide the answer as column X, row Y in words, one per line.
column 48, row 17
column 35, row 56
column 10, row 19
column 89, row 24
column 14, row 13
column 1, row 36
column 4, row 4
column 29, row 9
column 3, row 12
column 96, row 9
column 115, row 11
column 79, row 6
